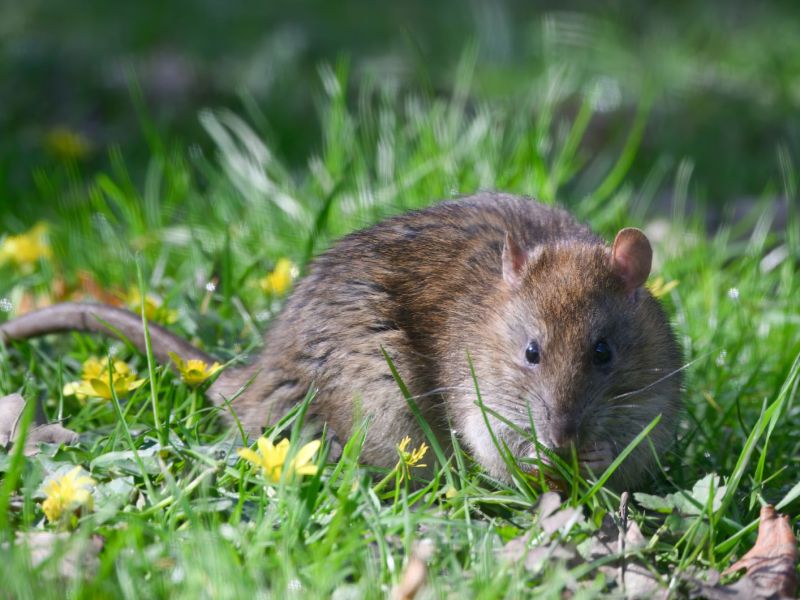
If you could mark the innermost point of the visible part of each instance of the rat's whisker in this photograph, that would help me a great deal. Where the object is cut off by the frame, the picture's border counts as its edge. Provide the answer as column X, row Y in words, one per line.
column 656, row 382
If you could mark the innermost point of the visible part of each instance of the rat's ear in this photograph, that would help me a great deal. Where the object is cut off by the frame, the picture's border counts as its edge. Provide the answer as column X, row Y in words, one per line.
column 631, row 258
column 514, row 259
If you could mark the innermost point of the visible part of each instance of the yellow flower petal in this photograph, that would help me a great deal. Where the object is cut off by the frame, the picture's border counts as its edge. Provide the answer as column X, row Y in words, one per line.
column 120, row 367
column 409, row 460
column 154, row 308
column 67, row 494
column 179, row 362
column 265, row 446
column 659, row 288
column 84, row 388
column 100, row 388
column 67, row 144
column 250, row 456
column 71, row 388
column 271, row 458
column 305, row 470
column 278, row 282
column 26, row 249
column 306, row 453
column 281, row 449
column 132, row 385
column 92, row 367
column 194, row 371
column 95, row 378
column 404, row 444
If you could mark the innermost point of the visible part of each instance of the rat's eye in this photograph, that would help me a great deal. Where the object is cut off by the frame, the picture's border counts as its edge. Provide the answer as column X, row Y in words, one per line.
column 602, row 353
column 532, row 353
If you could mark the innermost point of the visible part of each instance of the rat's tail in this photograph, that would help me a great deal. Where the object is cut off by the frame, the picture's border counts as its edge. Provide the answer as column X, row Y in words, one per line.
column 103, row 319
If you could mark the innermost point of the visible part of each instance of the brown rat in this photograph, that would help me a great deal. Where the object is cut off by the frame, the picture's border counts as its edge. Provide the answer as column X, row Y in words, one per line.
column 560, row 330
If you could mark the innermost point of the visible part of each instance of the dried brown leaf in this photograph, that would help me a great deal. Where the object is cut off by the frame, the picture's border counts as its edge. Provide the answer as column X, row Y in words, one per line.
column 11, row 408
column 629, row 572
column 552, row 518
column 76, row 557
column 606, row 540
column 88, row 285
column 416, row 572
column 563, row 520
column 28, row 302
column 538, row 556
column 548, row 504
column 52, row 433
column 769, row 565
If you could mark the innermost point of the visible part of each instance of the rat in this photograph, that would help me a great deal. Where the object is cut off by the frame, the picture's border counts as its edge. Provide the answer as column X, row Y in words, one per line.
column 566, row 345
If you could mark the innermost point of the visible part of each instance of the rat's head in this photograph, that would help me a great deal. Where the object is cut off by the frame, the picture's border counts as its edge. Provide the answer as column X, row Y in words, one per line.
column 578, row 354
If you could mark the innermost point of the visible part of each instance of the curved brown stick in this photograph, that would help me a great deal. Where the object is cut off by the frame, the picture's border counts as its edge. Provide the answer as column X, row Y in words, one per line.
column 103, row 319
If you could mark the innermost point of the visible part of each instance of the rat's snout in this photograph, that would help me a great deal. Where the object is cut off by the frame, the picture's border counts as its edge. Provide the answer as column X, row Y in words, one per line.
column 563, row 434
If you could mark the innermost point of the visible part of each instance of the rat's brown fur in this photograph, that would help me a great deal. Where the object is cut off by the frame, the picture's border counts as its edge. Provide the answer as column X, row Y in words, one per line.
column 430, row 287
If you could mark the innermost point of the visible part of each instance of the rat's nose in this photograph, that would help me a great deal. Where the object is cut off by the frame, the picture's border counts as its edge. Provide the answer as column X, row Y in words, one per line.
column 563, row 432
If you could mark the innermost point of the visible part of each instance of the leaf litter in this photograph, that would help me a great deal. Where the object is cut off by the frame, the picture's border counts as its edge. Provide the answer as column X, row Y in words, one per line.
column 770, row 565
column 11, row 409
column 617, row 547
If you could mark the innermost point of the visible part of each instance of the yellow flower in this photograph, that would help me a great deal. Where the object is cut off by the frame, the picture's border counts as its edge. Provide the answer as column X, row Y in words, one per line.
column 409, row 460
column 658, row 287
column 271, row 459
column 94, row 380
column 26, row 249
column 279, row 281
column 193, row 371
column 66, row 144
column 67, row 494
column 154, row 308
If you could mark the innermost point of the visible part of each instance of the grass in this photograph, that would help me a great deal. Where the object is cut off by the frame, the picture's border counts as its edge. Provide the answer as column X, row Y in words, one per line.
column 181, row 516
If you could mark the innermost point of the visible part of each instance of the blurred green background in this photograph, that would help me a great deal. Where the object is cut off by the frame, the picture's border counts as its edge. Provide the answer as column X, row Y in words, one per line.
column 77, row 79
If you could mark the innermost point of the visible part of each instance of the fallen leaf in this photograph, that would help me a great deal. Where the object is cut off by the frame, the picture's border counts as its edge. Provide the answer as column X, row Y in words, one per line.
column 76, row 556
column 548, row 504
column 126, row 462
column 537, row 557
column 59, row 289
column 11, row 408
column 563, row 520
column 769, row 565
column 88, row 285
column 771, row 562
column 630, row 573
column 416, row 572
column 552, row 518
column 110, row 497
column 615, row 539
column 686, row 502
column 53, row 433
column 28, row 302
column 744, row 589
